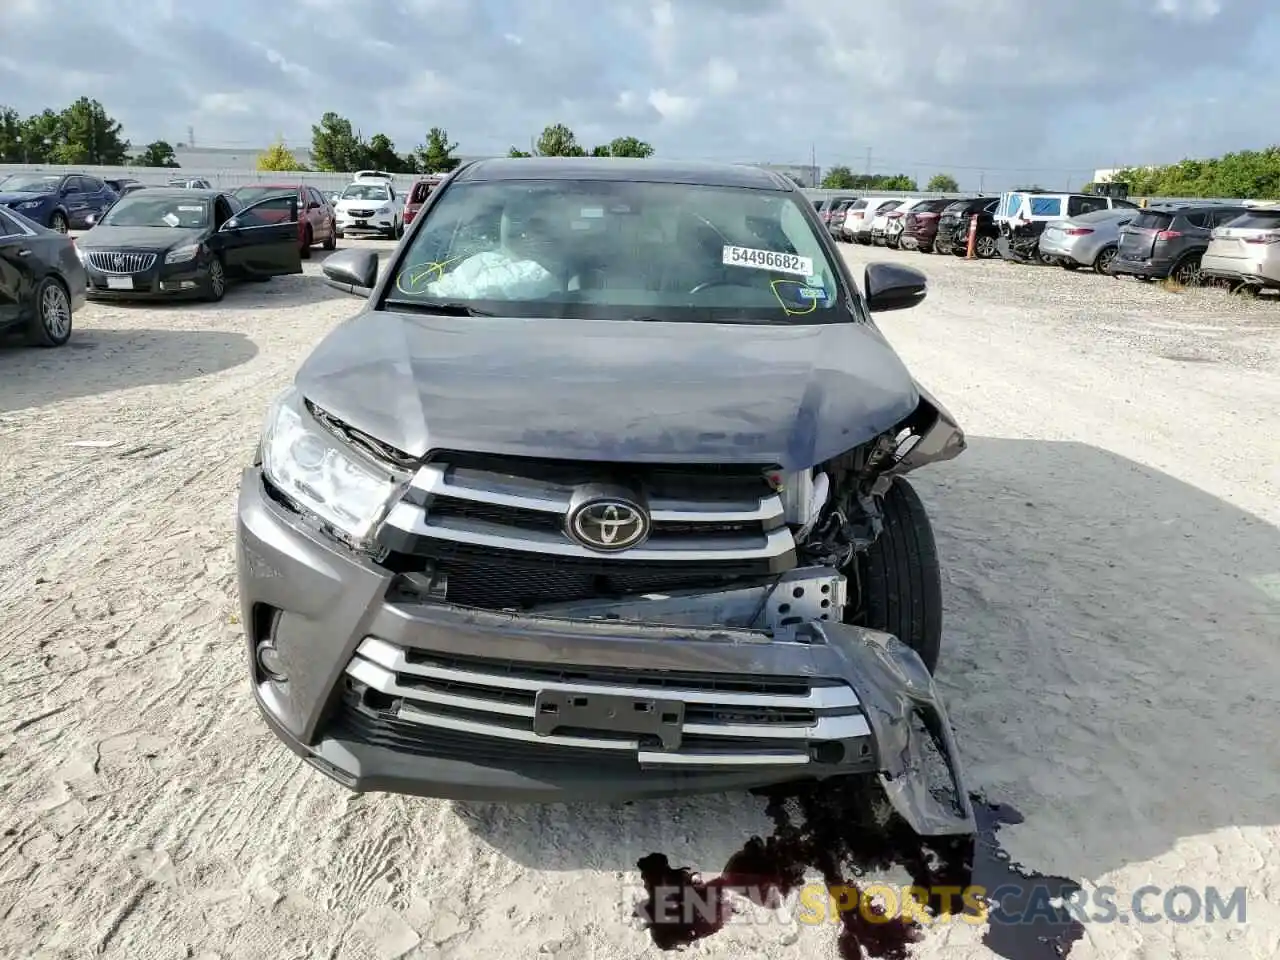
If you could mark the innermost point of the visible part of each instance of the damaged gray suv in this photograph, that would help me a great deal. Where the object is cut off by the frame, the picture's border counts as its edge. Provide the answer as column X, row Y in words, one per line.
column 601, row 496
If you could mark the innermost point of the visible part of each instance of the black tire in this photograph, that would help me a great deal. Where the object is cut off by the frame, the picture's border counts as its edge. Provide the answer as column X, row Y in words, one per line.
column 58, row 222
column 1187, row 272
column 900, row 577
column 307, row 241
column 331, row 241
column 51, row 320
column 986, row 247
column 215, row 281
column 1102, row 262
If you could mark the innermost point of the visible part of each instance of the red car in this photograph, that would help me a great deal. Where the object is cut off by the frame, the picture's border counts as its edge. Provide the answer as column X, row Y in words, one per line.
column 418, row 196
column 315, row 213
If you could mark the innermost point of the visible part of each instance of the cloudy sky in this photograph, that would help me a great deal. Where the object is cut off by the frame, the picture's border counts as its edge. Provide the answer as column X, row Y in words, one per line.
column 1002, row 90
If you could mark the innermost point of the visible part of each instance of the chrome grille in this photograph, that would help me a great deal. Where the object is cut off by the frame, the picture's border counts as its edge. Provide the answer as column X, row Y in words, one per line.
column 121, row 263
column 360, row 213
column 448, row 506
column 726, row 721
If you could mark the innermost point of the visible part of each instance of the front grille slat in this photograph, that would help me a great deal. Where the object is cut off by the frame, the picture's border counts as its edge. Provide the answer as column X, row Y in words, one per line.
column 424, row 702
column 120, row 263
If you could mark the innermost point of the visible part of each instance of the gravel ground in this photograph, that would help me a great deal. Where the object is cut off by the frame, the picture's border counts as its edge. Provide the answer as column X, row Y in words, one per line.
column 1113, row 602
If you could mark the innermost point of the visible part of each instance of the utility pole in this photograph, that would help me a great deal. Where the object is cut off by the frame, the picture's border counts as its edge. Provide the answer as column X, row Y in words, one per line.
column 191, row 137
column 982, row 179
column 868, row 161
column 813, row 164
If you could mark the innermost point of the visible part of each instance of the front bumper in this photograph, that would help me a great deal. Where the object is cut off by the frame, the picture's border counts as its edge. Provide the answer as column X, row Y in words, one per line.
column 379, row 223
column 161, row 282
column 384, row 693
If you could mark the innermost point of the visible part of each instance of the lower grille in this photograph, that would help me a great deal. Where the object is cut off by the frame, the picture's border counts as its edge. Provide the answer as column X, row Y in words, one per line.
column 121, row 263
column 494, row 711
column 360, row 213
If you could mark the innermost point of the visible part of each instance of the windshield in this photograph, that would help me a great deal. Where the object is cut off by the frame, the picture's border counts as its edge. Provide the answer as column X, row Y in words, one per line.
column 248, row 195
column 366, row 191
column 26, row 183
column 140, row 210
column 622, row 251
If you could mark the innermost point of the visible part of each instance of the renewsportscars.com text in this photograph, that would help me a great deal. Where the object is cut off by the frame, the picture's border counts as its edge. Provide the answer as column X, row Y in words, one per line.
column 1011, row 904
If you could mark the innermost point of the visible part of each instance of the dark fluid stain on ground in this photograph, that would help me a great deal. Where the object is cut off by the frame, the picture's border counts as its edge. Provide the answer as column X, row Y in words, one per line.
column 840, row 837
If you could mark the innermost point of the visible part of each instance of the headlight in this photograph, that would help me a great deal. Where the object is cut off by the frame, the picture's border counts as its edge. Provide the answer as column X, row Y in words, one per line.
column 30, row 204
column 182, row 254
column 321, row 474
column 385, row 208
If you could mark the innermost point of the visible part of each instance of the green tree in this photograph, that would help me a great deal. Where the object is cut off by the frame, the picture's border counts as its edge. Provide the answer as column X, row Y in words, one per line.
column 279, row 157
column 10, row 136
column 90, row 136
column 158, row 153
column 380, row 154
column 42, row 134
column 899, row 181
column 513, row 152
column 336, row 146
column 942, row 183
column 621, row 147
column 838, row 177
column 436, row 154
column 1245, row 175
column 558, row 140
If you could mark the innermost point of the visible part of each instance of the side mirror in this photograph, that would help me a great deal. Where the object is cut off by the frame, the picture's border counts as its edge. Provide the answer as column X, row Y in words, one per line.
column 353, row 271
column 890, row 286
column 230, row 226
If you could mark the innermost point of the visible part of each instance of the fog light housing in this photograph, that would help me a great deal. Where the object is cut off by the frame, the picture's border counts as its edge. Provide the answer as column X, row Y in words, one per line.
column 269, row 662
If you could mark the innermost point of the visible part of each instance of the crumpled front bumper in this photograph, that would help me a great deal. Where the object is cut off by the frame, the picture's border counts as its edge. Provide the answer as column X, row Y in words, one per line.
column 363, row 669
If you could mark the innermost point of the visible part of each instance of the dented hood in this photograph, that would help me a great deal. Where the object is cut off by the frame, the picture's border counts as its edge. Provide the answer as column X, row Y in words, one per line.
column 610, row 390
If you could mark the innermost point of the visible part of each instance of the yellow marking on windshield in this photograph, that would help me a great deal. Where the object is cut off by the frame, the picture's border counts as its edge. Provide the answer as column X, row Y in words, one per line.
column 419, row 275
column 813, row 304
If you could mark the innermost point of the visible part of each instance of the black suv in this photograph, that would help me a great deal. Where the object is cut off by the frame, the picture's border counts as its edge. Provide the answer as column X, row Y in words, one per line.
column 1168, row 240
column 953, row 227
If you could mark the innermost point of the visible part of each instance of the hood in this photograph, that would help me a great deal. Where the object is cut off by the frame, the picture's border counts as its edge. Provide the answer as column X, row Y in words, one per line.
column 139, row 238
column 15, row 198
column 610, row 390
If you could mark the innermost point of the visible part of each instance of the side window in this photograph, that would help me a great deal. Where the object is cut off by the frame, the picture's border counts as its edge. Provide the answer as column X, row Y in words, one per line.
column 1127, row 204
column 221, row 211
column 315, row 196
column 269, row 212
column 1046, row 206
column 991, row 207
column 1200, row 220
column 74, row 185
column 1078, row 205
column 1221, row 218
column 9, row 227
column 92, row 184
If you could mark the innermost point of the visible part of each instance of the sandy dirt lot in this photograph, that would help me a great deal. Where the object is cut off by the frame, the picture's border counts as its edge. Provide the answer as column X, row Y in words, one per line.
column 1113, row 642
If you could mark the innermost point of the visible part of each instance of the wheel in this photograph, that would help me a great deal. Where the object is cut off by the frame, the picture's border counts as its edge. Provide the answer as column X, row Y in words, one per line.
column 58, row 222
column 1102, row 262
column 985, row 247
column 331, row 241
column 398, row 231
column 1187, row 273
column 899, row 577
column 51, row 323
column 306, row 243
column 215, row 281
column 1249, row 291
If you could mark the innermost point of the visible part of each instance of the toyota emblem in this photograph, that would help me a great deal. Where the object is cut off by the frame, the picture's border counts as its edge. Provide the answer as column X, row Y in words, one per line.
column 608, row 524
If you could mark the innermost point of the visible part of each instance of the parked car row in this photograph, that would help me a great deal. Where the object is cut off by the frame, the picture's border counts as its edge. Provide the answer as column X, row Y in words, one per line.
column 1232, row 244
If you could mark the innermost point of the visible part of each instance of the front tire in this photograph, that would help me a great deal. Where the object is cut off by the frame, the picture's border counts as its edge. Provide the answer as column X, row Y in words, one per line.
column 307, row 241
column 331, row 241
column 986, row 247
column 58, row 222
column 51, row 324
column 1102, row 262
column 900, row 577
column 215, row 281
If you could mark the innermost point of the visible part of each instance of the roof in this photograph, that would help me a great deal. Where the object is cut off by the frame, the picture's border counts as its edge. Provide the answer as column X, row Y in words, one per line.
column 182, row 193
column 616, row 168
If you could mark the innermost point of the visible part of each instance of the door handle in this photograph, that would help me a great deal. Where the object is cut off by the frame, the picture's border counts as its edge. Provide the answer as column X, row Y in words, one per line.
column 24, row 253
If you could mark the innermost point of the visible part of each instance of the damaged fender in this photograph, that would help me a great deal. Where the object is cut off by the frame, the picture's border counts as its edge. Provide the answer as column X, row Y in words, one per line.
column 910, row 727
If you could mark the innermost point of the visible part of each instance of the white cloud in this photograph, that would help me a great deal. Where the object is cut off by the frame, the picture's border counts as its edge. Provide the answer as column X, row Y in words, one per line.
column 672, row 106
column 722, row 76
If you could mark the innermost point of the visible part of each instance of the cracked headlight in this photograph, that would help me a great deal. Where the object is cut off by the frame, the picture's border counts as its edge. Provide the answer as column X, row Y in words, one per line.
column 323, row 475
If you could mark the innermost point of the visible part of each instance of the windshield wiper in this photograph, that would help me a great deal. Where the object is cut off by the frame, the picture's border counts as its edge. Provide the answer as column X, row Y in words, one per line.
column 444, row 308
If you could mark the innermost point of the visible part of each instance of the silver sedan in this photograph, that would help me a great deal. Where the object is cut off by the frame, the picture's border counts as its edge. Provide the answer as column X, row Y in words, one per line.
column 1089, row 240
